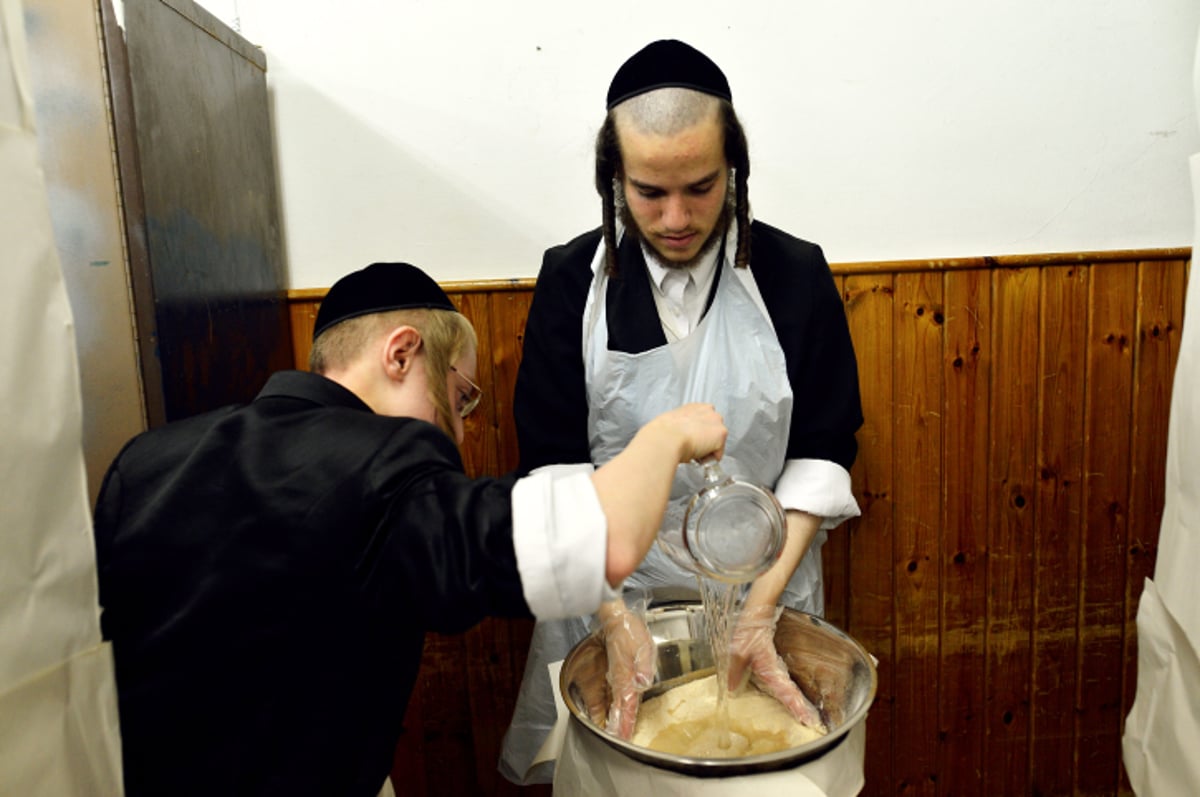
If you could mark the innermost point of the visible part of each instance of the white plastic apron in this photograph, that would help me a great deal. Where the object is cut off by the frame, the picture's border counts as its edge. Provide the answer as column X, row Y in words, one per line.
column 732, row 360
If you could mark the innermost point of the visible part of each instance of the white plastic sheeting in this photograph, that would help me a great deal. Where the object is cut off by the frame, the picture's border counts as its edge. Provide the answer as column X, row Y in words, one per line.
column 58, row 712
column 1162, row 732
column 587, row 766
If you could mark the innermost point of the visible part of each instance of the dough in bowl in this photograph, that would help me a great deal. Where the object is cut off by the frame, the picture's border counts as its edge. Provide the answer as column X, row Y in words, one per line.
column 682, row 721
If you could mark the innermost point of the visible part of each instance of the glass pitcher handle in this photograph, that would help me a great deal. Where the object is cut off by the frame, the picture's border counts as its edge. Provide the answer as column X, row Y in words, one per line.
column 712, row 469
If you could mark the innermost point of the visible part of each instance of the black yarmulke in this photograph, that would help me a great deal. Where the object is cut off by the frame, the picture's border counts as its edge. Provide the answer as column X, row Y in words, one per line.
column 667, row 63
column 376, row 289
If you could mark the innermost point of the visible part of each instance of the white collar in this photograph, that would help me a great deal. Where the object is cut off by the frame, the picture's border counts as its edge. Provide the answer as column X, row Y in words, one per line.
column 701, row 271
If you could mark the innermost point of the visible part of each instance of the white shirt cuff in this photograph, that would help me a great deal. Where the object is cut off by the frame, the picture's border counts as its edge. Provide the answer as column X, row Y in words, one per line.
column 818, row 487
column 560, row 536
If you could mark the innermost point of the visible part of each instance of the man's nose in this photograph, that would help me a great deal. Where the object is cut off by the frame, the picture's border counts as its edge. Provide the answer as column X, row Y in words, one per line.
column 675, row 212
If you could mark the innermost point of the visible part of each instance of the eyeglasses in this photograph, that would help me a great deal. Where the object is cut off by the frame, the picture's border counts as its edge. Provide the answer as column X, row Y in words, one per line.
column 467, row 400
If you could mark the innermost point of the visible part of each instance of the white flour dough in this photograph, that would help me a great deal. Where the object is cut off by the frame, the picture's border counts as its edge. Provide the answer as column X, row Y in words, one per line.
column 681, row 722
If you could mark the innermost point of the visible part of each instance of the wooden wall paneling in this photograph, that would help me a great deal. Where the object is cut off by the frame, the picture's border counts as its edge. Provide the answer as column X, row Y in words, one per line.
column 1010, row 532
column 869, row 301
column 1058, row 493
column 408, row 762
column 493, row 679
column 303, row 315
column 479, row 439
column 441, row 729
column 1161, row 292
column 509, row 311
column 967, row 374
column 916, row 499
column 1109, row 354
column 835, row 554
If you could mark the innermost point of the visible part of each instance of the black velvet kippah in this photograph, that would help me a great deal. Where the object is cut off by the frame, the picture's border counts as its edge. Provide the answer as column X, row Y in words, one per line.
column 376, row 289
column 667, row 63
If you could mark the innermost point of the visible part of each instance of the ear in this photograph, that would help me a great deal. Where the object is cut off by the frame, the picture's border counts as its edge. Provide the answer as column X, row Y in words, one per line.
column 400, row 350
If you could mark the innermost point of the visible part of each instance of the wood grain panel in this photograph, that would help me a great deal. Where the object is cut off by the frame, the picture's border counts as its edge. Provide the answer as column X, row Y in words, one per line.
column 493, row 670
column 1109, row 354
column 1010, row 530
column 444, row 739
column 966, row 376
column 1057, row 511
column 869, row 309
column 918, row 325
column 303, row 315
column 1010, row 475
column 1159, row 327
column 408, row 765
column 509, row 310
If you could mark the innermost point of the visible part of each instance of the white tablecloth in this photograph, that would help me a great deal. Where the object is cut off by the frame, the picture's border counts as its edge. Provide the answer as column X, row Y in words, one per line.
column 588, row 767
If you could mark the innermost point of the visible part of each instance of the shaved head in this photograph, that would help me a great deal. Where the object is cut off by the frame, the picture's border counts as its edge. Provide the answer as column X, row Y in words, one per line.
column 667, row 111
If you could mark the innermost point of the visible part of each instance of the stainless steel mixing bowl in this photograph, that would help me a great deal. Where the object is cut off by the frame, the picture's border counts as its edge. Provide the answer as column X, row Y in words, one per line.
column 833, row 670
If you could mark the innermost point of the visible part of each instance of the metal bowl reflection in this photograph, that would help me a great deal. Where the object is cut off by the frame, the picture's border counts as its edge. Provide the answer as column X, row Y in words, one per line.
column 833, row 670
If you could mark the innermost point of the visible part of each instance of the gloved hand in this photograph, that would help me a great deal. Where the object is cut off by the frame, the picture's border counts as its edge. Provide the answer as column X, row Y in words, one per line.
column 752, row 652
column 632, row 657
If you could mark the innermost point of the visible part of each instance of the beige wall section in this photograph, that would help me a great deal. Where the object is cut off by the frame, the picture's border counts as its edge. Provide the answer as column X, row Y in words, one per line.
column 59, row 731
column 70, row 96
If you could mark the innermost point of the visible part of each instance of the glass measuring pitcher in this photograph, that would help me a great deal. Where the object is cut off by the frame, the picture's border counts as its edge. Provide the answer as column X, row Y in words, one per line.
column 732, row 530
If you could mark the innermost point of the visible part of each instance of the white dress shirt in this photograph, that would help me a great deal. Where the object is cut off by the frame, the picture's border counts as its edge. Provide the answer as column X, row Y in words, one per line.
column 680, row 293
column 560, row 537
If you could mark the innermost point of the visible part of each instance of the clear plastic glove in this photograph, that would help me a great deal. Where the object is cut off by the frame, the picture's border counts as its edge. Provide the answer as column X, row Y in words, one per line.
column 752, row 652
column 632, row 656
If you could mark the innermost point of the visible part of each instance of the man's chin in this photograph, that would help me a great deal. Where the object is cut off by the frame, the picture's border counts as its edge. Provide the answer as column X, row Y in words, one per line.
column 676, row 258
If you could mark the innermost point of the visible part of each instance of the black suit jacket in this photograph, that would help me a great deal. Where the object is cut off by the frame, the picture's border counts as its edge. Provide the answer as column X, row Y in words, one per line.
column 267, row 574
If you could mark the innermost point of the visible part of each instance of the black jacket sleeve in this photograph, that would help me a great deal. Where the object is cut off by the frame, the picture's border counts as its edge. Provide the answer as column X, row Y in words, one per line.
column 550, row 400
column 446, row 540
column 810, row 321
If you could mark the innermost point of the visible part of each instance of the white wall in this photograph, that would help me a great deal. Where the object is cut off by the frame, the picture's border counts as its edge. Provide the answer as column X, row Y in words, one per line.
column 458, row 134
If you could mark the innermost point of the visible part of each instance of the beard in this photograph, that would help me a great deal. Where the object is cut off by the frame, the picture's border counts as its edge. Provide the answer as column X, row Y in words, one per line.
column 714, row 237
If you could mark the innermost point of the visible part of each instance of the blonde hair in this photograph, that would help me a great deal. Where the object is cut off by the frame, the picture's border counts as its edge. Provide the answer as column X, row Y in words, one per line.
column 445, row 334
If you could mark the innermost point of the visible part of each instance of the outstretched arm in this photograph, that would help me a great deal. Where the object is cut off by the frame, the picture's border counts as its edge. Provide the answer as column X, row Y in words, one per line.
column 634, row 486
